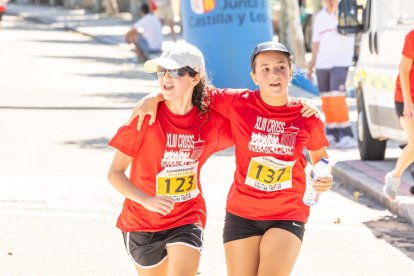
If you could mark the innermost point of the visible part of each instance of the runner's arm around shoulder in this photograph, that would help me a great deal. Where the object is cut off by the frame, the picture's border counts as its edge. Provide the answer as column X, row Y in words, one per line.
column 120, row 181
column 322, row 184
column 308, row 108
column 146, row 106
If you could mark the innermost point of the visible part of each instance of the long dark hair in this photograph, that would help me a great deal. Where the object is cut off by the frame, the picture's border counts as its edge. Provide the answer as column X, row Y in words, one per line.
column 200, row 98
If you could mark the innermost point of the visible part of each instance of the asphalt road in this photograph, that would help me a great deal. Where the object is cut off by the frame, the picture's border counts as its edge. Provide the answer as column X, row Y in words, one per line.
column 62, row 97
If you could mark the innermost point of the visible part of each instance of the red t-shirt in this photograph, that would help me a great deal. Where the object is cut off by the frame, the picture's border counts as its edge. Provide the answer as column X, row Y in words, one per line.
column 269, row 181
column 408, row 52
column 167, row 158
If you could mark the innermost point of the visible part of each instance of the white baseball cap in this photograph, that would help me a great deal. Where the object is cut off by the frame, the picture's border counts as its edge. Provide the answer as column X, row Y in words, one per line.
column 177, row 56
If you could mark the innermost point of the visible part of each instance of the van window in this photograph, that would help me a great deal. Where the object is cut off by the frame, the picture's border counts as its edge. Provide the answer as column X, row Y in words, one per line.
column 399, row 12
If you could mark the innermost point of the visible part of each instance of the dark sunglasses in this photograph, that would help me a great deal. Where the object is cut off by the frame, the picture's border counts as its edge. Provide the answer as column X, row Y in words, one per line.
column 175, row 73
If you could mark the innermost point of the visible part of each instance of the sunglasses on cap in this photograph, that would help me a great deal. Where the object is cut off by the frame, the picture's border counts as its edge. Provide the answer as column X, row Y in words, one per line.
column 175, row 73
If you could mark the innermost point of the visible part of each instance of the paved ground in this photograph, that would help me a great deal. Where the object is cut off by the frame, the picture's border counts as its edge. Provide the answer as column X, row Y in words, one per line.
column 46, row 222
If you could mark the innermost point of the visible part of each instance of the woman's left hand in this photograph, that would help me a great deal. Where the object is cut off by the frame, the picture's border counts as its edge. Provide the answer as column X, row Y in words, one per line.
column 323, row 184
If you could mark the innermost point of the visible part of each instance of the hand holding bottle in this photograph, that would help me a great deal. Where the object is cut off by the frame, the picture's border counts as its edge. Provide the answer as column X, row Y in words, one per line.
column 320, row 180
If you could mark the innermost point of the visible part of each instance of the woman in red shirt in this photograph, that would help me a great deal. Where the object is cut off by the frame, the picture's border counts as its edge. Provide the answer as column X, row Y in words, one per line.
column 164, row 212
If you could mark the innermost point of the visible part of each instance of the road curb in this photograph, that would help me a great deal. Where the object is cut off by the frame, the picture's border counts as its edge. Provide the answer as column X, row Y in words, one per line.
column 403, row 206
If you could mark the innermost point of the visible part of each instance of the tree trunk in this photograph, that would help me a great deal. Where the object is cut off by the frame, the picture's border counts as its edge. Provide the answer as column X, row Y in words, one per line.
column 291, row 33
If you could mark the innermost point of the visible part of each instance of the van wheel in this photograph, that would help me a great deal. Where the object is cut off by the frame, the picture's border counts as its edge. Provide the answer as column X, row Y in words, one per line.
column 369, row 148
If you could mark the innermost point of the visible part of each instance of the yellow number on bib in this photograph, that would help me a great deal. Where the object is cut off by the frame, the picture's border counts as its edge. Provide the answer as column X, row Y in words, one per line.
column 176, row 185
column 267, row 175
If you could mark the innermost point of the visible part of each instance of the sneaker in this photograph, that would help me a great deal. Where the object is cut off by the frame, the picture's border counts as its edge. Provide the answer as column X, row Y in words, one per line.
column 347, row 142
column 331, row 140
column 391, row 185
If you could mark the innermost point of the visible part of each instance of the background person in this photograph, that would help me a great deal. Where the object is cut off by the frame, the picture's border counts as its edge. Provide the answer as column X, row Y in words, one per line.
column 164, row 11
column 332, row 54
column 145, row 35
column 404, row 98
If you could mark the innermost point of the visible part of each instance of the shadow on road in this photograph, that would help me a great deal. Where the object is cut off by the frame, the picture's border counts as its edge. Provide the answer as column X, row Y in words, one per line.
column 127, row 74
column 96, row 59
column 100, row 143
column 58, row 41
column 131, row 97
column 396, row 231
column 349, row 193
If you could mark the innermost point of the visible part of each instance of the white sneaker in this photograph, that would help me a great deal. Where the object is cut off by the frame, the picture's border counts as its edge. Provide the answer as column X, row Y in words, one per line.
column 391, row 185
column 331, row 140
column 347, row 142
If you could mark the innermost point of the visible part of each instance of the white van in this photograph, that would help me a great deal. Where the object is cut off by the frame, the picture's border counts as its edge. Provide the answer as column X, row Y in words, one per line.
column 380, row 32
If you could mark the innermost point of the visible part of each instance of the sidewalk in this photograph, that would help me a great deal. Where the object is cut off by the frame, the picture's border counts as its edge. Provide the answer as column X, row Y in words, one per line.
column 365, row 177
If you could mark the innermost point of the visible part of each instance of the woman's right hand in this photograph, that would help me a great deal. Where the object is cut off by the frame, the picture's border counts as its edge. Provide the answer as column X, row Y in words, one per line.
column 159, row 204
column 146, row 106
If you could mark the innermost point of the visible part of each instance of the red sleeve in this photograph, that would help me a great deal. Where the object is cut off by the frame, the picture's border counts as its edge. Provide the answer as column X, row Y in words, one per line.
column 408, row 50
column 317, row 134
column 222, row 99
column 128, row 139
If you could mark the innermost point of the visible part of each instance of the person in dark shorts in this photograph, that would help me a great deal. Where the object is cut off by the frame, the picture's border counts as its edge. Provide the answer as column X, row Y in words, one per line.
column 164, row 212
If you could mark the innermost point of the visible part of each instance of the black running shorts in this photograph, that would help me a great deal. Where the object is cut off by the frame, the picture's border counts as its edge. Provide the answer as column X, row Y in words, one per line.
column 149, row 249
column 236, row 228
column 399, row 109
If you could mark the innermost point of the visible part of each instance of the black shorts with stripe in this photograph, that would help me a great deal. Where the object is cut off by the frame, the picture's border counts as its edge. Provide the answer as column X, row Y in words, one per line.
column 149, row 249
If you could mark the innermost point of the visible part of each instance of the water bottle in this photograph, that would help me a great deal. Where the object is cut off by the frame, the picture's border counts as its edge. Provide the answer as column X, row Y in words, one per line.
column 320, row 169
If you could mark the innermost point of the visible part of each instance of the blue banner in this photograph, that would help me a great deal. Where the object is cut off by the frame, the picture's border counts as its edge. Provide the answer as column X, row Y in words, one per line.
column 226, row 31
